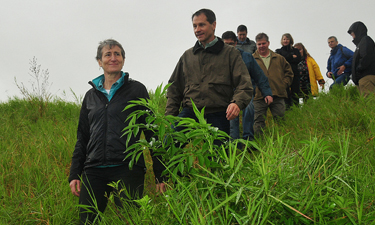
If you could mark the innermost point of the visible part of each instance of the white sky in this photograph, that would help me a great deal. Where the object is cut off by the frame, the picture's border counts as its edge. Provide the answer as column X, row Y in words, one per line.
column 64, row 35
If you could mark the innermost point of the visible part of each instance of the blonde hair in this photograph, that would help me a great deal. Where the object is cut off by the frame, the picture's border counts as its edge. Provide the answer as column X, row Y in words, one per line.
column 289, row 36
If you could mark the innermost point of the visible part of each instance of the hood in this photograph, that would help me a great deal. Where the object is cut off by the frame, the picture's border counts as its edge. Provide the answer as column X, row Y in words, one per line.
column 359, row 29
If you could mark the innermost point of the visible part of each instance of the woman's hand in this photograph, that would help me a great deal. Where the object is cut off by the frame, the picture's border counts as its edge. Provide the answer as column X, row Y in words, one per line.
column 160, row 188
column 75, row 187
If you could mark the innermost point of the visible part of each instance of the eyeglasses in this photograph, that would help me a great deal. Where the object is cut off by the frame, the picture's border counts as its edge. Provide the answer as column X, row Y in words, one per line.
column 230, row 43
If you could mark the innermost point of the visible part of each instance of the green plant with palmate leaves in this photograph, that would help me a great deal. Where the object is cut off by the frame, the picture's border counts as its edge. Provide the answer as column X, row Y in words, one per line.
column 184, row 152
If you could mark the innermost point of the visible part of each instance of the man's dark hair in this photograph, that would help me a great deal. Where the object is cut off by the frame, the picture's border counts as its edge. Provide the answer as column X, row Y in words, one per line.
column 208, row 13
column 332, row 37
column 260, row 36
column 241, row 28
column 229, row 35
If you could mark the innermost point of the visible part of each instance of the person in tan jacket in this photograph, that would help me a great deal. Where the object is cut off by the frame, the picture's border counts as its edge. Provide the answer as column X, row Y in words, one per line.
column 212, row 75
column 280, row 76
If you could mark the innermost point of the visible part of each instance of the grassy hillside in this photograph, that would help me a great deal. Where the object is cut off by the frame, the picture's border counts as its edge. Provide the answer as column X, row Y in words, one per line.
column 36, row 142
column 314, row 167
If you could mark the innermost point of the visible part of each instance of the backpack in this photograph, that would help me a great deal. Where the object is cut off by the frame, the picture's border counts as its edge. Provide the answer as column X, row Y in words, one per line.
column 342, row 51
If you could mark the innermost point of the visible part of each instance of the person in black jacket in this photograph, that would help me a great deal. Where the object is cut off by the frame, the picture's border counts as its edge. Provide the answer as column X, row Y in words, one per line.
column 363, row 66
column 293, row 56
column 98, row 157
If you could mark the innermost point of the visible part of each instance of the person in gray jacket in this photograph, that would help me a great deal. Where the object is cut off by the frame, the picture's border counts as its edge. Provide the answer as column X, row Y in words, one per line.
column 244, row 42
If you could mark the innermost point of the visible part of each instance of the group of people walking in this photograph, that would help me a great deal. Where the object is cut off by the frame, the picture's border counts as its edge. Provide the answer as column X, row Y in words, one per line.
column 359, row 66
column 293, row 74
column 223, row 75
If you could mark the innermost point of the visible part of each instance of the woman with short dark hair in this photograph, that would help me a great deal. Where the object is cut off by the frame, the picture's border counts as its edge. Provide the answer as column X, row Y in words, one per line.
column 99, row 154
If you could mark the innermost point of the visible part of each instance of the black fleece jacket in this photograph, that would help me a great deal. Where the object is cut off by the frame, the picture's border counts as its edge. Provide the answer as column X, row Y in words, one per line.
column 99, row 141
column 288, row 52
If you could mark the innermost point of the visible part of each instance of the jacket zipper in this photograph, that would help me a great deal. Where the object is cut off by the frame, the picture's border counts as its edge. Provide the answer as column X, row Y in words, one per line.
column 107, row 102
column 101, row 95
column 106, row 133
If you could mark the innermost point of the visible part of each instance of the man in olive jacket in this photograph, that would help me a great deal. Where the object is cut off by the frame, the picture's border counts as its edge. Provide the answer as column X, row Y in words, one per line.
column 280, row 76
column 212, row 75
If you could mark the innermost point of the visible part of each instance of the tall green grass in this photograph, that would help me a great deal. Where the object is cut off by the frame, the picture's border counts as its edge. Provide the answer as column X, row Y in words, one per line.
column 35, row 157
column 316, row 166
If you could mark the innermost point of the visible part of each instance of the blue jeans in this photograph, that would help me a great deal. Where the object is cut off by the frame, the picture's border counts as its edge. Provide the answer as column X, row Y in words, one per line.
column 235, row 128
column 342, row 79
column 247, row 123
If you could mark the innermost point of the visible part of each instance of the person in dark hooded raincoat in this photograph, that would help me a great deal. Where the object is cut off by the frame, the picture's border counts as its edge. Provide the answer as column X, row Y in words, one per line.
column 363, row 66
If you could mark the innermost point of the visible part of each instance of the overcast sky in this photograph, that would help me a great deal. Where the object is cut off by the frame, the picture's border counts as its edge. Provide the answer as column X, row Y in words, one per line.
column 64, row 35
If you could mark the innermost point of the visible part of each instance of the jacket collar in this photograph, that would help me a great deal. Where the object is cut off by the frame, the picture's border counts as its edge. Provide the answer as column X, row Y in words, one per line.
column 257, row 55
column 247, row 41
column 95, row 82
column 215, row 49
column 287, row 48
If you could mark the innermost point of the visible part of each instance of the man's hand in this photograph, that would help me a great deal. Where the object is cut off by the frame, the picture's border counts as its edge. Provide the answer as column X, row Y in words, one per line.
column 341, row 70
column 232, row 111
column 268, row 99
column 75, row 187
column 329, row 74
column 160, row 188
